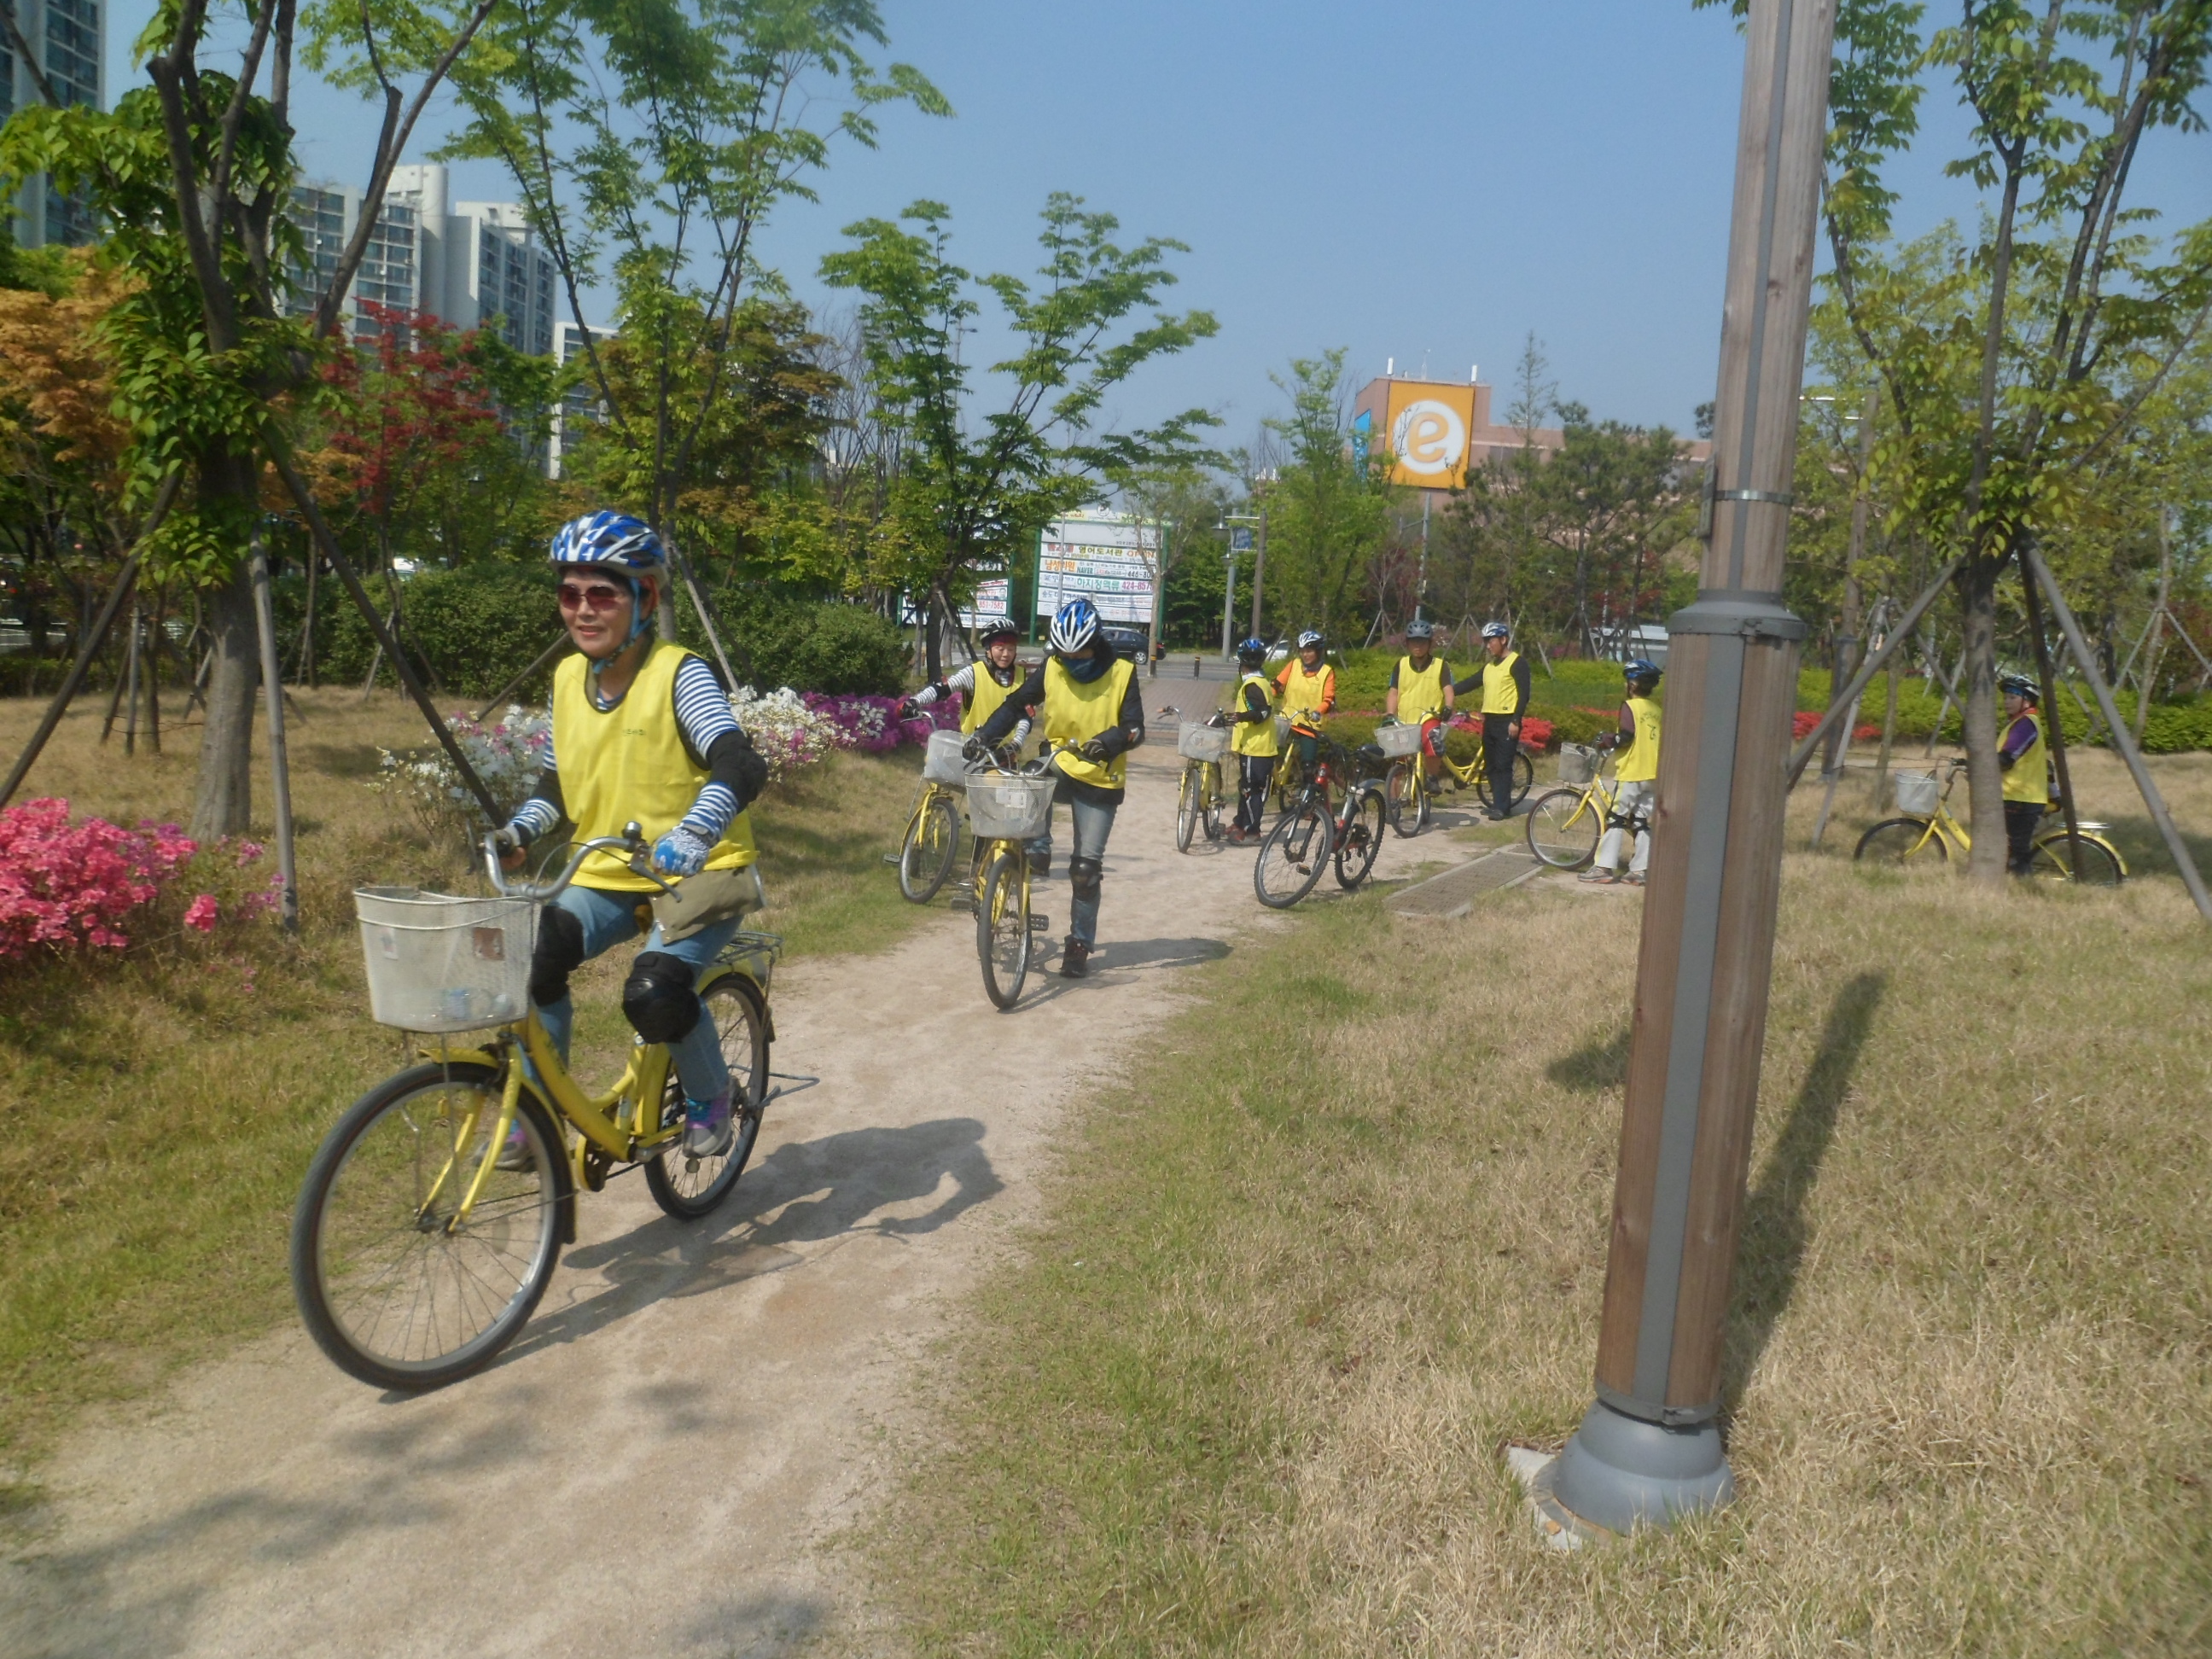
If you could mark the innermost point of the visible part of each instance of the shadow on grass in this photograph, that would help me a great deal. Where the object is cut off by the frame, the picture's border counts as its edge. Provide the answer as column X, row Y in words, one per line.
column 1593, row 1067
column 2144, row 848
column 1771, row 1250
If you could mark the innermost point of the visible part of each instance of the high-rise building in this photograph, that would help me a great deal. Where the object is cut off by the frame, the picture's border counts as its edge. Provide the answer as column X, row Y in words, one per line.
column 582, row 406
column 470, row 264
column 68, row 42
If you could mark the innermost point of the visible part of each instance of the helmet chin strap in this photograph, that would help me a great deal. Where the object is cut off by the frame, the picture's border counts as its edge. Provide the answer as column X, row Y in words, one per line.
column 637, row 624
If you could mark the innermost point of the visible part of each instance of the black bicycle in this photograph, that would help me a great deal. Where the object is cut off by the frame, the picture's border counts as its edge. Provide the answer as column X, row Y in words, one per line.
column 1311, row 833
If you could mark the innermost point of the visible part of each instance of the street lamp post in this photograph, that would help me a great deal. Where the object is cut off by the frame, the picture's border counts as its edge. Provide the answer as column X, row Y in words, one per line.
column 1239, row 539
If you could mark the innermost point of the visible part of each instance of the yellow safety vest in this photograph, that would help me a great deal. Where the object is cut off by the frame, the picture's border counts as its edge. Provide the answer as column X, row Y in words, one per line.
column 1075, row 711
column 1253, row 737
column 1500, row 695
column 1639, row 762
column 1420, row 691
column 1307, row 694
column 2027, row 780
column 628, row 762
column 983, row 702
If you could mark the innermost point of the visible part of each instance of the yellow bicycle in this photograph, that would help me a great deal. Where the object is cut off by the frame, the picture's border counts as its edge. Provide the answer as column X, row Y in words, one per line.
column 1008, row 809
column 433, row 1214
column 1563, row 823
column 1927, row 833
column 1476, row 776
column 1199, row 799
column 933, row 829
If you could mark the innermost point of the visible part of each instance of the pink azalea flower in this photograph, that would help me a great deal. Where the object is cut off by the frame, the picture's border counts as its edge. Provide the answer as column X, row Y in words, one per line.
column 201, row 915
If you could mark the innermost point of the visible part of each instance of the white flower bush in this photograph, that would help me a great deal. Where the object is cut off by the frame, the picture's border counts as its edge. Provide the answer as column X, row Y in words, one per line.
column 787, row 732
column 507, row 755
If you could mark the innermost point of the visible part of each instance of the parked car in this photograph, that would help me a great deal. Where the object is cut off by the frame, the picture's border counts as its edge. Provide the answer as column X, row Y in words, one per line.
column 1128, row 641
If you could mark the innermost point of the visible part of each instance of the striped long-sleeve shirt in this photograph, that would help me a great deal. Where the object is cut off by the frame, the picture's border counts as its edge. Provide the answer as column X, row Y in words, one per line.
column 704, row 716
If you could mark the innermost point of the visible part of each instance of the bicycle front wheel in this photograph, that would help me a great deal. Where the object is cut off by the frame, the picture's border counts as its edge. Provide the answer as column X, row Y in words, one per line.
column 1002, row 927
column 392, row 1283
column 1295, row 852
column 1361, row 837
column 1187, row 806
column 1405, row 800
column 925, row 856
column 1210, row 799
column 1900, row 842
column 2099, row 865
column 1563, row 828
column 689, row 1188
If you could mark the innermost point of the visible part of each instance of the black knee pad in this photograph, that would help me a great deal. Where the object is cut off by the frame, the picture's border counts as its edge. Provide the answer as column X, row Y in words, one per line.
column 657, row 998
column 1086, row 876
column 1618, row 819
column 559, row 953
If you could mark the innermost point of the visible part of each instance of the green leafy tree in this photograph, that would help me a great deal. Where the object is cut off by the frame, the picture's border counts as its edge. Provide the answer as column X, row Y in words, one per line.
column 971, row 503
column 190, row 175
column 1327, row 517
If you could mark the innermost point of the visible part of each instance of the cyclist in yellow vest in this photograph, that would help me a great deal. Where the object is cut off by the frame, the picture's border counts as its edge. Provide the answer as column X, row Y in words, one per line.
column 1505, row 682
column 1093, row 714
column 1252, row 735
column 2024, row 759
column 1637, row 742
column 641, row 732
column 1421, row 691
column 1306, row 691
column 986, row 682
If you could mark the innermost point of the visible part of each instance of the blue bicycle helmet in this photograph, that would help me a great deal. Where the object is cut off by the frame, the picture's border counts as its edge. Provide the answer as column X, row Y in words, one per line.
column 1074, row 626
column 1640, row 668
column 1251, row 653
column 611, row 540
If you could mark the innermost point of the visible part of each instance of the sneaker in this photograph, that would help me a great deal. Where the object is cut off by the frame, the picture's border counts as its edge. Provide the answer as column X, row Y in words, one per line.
column 1074, row 958
column 706, row 1129
column 1598, row 877
column 1040, row 865
column 1633, row 878
column 515, row 1154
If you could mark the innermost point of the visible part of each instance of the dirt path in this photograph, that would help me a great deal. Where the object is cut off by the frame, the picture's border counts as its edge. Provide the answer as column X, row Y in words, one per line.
column 700, row 1400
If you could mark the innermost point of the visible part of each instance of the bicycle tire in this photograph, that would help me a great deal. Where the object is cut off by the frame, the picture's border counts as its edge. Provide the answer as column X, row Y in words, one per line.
column 1187, row 813
column 1561, row 829
column 1295, row 852
column 1002, row 929
column 1524, row 780
column 347, row 1286
column 932, row 841
column 1900, row 842
column 1361, row 837
column 1210, row 805
column 2100, row 864
column 696, row 1186
column 1397, row 783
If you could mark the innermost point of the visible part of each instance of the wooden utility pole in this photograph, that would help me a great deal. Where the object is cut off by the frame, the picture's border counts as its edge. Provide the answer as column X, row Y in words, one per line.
column 1649, row 1448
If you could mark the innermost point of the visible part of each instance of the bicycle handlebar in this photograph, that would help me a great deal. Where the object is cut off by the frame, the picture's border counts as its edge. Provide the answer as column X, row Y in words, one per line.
column 630, row 842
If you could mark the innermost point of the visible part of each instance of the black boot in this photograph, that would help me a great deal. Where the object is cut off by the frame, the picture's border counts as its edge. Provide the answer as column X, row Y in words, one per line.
column 1074, row 958
column 1040, row 865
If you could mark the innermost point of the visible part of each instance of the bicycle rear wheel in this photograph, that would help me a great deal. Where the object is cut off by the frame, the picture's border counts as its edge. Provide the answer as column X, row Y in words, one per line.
column 689, row 1188
column 1563, row 828
column 1002, row 928
column 925, row 855
column 1210, row 795
column 1186, row 810
column 1295, row 852
column 392, row 1286
column 1899, row 842
column 1361, row 838
column 1524, row 780
column 1405, row 799
column 2099, row 865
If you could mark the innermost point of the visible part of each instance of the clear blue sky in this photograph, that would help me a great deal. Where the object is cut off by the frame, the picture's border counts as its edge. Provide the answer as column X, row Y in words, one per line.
column 1426, row 180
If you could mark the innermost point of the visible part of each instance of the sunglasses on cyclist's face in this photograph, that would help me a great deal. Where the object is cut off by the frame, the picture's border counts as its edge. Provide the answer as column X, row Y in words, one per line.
column 599, row 596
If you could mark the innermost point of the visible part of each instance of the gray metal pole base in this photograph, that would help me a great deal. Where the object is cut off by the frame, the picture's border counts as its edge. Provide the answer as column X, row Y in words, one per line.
column 1619, row 1473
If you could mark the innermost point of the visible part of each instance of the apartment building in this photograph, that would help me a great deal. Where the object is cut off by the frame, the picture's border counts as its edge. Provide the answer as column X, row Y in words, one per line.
column 67, row 43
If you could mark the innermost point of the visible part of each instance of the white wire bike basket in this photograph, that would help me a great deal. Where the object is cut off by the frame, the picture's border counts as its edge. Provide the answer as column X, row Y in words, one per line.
column 1002, row 806
column 439, row 963
column 1916, row 793
column 1397, row 742
column 1200, row 742
column 1578, row 762
column 942, row 764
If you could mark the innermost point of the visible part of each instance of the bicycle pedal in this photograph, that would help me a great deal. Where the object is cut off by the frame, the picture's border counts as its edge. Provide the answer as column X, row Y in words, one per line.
column 1040, row 924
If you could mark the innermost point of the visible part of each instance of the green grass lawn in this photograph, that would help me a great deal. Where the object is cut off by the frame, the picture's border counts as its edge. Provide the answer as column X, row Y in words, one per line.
column 1340, row 1237
column 158, row 1109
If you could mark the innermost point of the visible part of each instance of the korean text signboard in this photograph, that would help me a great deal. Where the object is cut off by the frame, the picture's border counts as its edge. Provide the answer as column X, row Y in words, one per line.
column 1109, row 558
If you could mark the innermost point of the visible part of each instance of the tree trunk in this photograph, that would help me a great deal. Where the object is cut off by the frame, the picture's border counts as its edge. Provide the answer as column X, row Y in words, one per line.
column 224, row 803
column 1978, row 596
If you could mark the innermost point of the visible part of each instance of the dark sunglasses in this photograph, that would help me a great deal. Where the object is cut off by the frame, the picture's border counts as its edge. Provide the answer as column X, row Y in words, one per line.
column 599, row 596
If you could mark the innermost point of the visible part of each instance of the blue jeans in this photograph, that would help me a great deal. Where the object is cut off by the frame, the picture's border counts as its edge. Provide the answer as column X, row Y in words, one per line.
column 609, row 919
column 1093, row 824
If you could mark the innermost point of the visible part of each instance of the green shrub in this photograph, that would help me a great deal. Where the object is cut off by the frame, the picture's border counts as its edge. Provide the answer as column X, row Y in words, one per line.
column 478, row 626
column 809, row 645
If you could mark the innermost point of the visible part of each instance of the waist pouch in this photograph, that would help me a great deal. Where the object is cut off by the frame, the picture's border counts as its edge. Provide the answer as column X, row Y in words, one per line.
column 712, row 895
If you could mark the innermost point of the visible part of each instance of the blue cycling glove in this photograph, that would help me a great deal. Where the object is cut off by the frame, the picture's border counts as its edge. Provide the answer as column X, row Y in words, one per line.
column 681, row 852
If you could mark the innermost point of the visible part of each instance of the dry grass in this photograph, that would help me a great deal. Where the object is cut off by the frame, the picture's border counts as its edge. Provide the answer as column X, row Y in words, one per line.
column 156, row 1110
column 1247, row 1393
